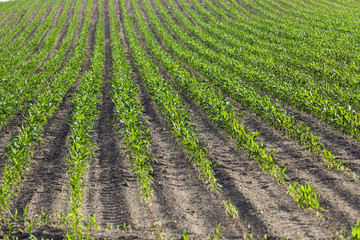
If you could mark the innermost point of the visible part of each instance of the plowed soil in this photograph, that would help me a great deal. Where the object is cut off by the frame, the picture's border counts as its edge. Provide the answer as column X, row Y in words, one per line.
column 181, row 201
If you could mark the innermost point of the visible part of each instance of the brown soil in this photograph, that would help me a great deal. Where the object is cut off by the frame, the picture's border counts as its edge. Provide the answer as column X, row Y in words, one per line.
column 337, row 186
column 11, row 129
column 40, row 180
column 15, row 21
column 181, row 201
column 341, row 145
column 44, row 186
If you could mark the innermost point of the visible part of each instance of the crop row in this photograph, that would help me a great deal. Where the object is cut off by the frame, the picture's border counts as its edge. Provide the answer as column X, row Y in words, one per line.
column 19, row 8
column 31, row 84
column 83, row 118
column 169, row 104
column 332, row 62
column 23, row 146
column 27, row 40
column 128, row 113
column 326, row 100
column 11, row 59
column 29, row 59
column 231, row 85
column 241, row 60
column 9, row 31
column 217, row 107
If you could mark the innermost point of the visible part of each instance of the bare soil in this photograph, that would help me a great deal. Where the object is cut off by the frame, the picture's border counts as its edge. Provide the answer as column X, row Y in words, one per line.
column 181, row 201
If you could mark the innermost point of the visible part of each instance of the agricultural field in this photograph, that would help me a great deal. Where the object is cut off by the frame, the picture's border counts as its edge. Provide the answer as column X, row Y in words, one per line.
column 179, row 119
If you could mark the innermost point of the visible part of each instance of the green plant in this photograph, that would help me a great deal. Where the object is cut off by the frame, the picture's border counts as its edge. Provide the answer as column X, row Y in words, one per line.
column 170, row 106
column 231, row 209
column 91, row 224
column 24, row 145
column 157, row 232
column 306, row 196
column 28, row 224
column 109, row 227
column 126, row 228
column 250, row 237
column 10, row 226
column 356, row 231
column 186, row 235
column 216, row 234
column 44, row 219
column 129, row 114
column 219, row 109
column 81, row 145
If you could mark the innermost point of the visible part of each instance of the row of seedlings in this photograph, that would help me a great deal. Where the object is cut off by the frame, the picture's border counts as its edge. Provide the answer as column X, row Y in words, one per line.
column 12, row 58
column 222, row 113
column 17, row 7
column 170, row 106
column 30, row 84
column 83, row 118
column 18, row 52
column 326, row 101
column 232, row 86
column 11, row 28
column 311, row 67
column 7, row 8
column 23, row 146
column 356, row 230
column 129, row 113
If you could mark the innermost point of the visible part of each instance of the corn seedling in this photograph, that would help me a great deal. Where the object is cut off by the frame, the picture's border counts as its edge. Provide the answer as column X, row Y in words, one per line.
column 126, row 228
column 186, row 235
column 157, row 232
column 356, row 231
column 231, row 209
column 215, row 235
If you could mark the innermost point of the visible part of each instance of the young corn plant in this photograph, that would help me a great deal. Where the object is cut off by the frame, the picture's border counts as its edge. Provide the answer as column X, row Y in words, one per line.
column 129, row 114
column 81, row 146
column 306, row 196
column 307, row 96
column 231, row 209
column 170, row 105
column 37, row 83
column 207, row 62
column 23, row 146
column 215, row 105
column 356, row 231
column 215, row 235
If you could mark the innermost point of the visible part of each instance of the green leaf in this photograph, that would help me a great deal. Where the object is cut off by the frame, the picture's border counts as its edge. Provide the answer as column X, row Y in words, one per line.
column 356, row 231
